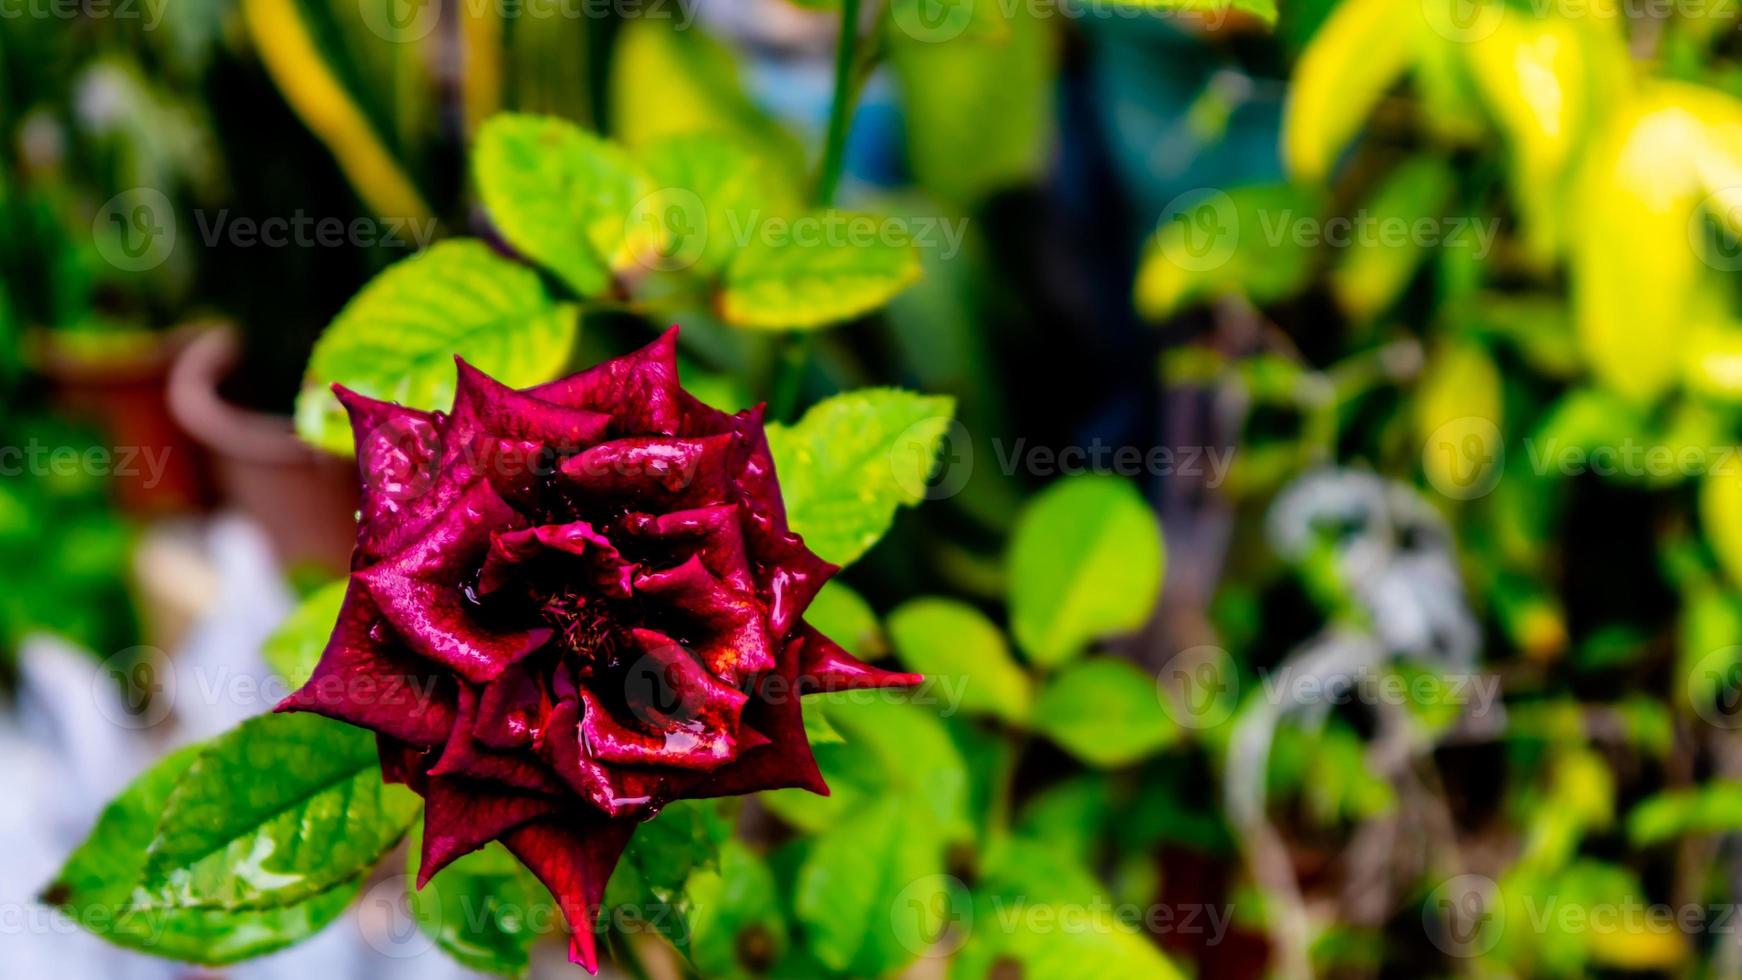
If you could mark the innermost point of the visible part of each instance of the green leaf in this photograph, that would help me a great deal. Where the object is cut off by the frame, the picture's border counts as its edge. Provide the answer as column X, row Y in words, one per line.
column 1247, row 241
column 852, row 460
column 1071, row 817
column 1106, row 712
column 275, row 811
column 819, row 268
column 646, row 889
column 1264, row 10
column 97, row 887
column 952, row 643
column 713, row 189
column 853, row 771
column 563, row 197
column 733, row 908
column 862, row 878
column 670, row 82
column 1710, row 809
column 1373, row 271
column 844, row 616
column 913, row 749
column 1710, row 627
column 1028, row 893
column 818, row 730
column 1001, row 77
column 1632, row 267
column 686, row 835
column 1459, row 408
column 295, row 647
column 397, row 338
column 482, row 909
column 1085, row 562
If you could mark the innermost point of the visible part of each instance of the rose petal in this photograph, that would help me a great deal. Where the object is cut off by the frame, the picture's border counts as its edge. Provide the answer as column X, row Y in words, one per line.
column 684, row 716
column 512, row 709
column 508, row 549
column 644, row 472
column 786, row 761
column 403, row 485
column 420, row 591
column 616, row 790
column 464, row 755
column 639, row 391
column 711, row 533
column 503, row 412
column 365, row 679
column 573, row 855
column 460, row 816
column 737, row 643
column 824, row 666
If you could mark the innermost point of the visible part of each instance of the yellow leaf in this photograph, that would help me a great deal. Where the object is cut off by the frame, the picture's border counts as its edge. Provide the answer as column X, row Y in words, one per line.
column 1717, row 158
column 1721, row 516
column 1458, row 414
column 1646, row 943
column 288, row 50
column 1633, row 266
column 1357, row 54
column 1540, row 78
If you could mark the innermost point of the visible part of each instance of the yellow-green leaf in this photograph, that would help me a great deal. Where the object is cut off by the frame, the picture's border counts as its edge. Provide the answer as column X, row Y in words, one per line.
column 852, row 460
column 1458, row 418
column 819, row 268
column 1085, row 562
column 563, row 197
column 1356, row 55
column 1721, row 516
column 396, row 340
column 667, row 82
column 962, row 655
column 1633, row 264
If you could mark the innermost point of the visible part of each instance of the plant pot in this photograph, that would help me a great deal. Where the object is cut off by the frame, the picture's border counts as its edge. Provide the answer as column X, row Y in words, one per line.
column 117, row 382
column 304, row 499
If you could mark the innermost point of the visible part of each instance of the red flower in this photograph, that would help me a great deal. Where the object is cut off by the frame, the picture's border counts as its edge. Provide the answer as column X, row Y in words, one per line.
column 570, row 605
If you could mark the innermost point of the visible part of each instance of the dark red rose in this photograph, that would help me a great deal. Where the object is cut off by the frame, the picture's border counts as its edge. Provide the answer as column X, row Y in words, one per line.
column 570, row 605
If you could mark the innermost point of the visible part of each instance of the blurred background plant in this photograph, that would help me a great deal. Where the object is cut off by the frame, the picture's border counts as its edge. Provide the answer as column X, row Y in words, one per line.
column 1431, row 307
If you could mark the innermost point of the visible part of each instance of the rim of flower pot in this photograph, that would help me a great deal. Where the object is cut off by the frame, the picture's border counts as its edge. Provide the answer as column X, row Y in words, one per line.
column 223, row 426
column 104, row 357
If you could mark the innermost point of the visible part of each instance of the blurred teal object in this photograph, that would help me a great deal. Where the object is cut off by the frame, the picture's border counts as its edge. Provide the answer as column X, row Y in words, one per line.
column 1177, row 114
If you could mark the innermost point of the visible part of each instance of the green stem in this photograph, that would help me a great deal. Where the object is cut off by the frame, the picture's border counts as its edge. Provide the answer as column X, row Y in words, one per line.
column 792, row 355
column 841, row 108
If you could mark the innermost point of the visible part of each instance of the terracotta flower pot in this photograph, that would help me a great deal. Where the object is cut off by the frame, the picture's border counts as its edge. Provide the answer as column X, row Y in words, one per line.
column 117, row 383
column 305, row 500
